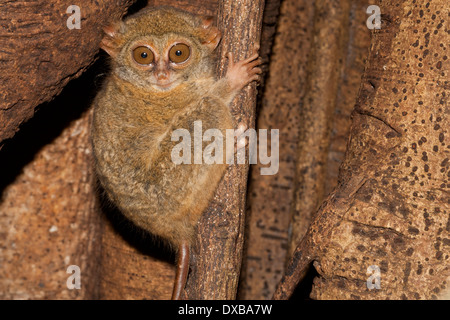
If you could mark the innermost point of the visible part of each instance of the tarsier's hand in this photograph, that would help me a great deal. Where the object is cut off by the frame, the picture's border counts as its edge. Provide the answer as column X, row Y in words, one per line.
column 243, row 72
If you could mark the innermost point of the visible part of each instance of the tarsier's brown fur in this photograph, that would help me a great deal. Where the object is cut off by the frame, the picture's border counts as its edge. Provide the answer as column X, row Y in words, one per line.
column 135, row 116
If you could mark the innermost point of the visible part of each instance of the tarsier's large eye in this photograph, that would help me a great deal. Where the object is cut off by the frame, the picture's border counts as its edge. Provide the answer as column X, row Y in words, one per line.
column 179, row 53
column 143, row 55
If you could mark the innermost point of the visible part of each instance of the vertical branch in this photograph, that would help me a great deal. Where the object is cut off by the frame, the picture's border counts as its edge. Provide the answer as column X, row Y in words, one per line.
column 331, row 19
column 217, row 254
column 358, row 39
column 270, row 196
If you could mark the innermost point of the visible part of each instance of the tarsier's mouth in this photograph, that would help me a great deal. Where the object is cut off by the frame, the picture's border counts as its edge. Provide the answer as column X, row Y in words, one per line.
column 164, row 85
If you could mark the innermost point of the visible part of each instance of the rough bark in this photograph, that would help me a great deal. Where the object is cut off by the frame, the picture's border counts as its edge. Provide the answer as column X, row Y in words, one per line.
column 268, row 31
column 205, row 7
column 391, row 209
column 357, row 49
column 48, row 216
column 216, row 263
column 39, row 55
column 132, row 266
column 270, row 196
column 327, row 53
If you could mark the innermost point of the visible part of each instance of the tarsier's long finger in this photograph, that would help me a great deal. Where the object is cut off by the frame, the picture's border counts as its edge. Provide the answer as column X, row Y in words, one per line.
column 241, row 129
column 256, row 77
column 257, row 48
column 254, row 63
column 251, row 58
column 230, row 58
column 241, row 141
column 255, row 71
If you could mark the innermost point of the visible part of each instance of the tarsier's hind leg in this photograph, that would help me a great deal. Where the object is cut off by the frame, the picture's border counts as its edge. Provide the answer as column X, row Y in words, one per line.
column 182, row 270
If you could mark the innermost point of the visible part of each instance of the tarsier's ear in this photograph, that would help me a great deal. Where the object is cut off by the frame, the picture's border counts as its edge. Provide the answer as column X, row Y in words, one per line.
column 212, row 34
column 109, row 42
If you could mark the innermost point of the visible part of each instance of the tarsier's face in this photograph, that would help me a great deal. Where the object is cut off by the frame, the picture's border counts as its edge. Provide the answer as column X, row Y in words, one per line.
column 161, row 62
column 159, row 49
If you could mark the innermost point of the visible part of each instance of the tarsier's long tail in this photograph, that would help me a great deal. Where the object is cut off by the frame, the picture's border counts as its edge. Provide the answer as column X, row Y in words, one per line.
column 182, row 270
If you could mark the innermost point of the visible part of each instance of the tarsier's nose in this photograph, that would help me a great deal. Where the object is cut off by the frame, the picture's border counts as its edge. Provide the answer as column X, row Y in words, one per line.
column 162, row 75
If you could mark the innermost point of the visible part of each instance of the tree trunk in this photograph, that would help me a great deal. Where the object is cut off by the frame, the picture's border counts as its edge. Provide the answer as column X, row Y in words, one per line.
column 36, row 45
column 132, row 266
column 48, row 216
column 390, row 212
column 270, row 196
column 358, row 43
column 216, row 264
column 282, row 102
column 330, row 23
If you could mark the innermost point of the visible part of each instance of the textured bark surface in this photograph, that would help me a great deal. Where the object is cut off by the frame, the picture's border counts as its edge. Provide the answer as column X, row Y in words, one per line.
column 39, row 55
column 131, row 266
column 48, row 218
column 205, row 7
column 391, row 209
column 270, row 196
column 358, row 40
column 215, row 266
column 327, row 53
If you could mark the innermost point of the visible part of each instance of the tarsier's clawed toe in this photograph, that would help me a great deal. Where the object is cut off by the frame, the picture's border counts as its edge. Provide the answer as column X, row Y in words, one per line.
column 243, row 72
column 241, row 141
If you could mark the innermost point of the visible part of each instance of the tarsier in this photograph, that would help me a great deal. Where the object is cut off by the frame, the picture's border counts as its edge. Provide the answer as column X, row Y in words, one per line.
column 162, row 79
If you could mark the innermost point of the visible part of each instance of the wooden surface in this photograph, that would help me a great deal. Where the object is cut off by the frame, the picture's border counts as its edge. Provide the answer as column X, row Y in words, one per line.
column 215, row 267
column 48, row 220
column 39, row 55
column 318, row 105
column 391, row 208
column 270, row 197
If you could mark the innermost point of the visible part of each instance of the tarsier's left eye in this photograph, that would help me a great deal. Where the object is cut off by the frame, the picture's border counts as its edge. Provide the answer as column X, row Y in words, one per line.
column 179, row 53
column 143, row 55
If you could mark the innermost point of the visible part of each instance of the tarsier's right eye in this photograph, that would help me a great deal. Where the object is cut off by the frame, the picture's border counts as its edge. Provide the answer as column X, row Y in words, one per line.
column 143, row 55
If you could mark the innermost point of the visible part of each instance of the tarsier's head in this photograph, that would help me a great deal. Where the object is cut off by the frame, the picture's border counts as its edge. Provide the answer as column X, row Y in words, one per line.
column 160, row 48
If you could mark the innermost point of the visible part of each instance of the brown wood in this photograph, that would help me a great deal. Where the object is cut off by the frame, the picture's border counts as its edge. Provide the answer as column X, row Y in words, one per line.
column 327, row 53
column 269, row 197
column 268, row 32
column 203, row 7
column 352, row 68
column 391, row 208
column 48, row 218
column 217, row 253
column 39, row 55
column 134, row 267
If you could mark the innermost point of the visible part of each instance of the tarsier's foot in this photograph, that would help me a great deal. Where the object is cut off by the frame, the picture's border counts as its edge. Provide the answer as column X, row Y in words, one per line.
column 240, row 137
column 243, row 72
